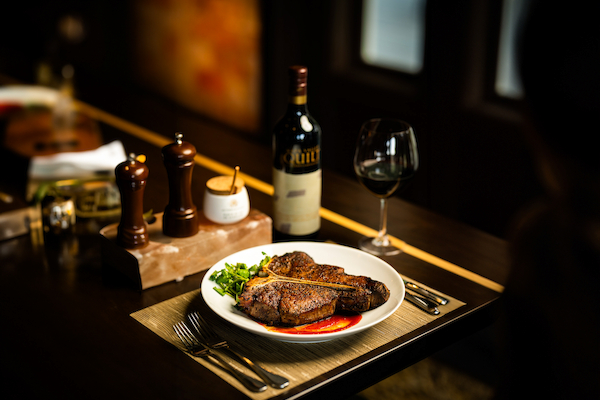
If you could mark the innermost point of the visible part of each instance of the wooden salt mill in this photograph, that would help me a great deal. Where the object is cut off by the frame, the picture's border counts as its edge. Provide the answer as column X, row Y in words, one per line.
column 180, row 218
column 131, row 178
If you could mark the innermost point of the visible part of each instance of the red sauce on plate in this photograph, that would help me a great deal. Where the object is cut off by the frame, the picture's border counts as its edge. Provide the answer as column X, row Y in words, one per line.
column 335, row 323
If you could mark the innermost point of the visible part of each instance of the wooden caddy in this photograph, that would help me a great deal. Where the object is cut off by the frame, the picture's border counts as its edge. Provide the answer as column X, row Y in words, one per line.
column 167, row 259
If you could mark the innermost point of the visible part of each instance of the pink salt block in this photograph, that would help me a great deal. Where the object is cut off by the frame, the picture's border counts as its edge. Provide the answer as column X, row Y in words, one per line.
column 167, row 259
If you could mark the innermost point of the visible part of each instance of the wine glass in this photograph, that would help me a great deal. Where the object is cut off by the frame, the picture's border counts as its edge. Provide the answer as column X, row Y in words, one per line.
column 386, row 158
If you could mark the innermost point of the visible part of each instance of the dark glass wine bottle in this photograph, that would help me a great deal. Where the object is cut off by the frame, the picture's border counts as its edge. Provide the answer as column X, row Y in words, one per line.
column 296, row 166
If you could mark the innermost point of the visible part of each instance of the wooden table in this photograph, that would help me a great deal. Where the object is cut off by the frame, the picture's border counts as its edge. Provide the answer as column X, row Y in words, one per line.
column 66, row 325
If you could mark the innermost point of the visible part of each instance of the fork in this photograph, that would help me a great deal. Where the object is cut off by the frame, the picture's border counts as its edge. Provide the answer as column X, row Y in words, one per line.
column 215, row 342
column 199, row 349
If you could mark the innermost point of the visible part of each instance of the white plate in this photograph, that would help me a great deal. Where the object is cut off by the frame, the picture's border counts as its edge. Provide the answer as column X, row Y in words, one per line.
column 354, row 261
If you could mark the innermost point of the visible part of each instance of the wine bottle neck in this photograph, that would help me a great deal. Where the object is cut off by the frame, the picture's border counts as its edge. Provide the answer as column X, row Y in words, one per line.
column 297, row 100
column 297, row 106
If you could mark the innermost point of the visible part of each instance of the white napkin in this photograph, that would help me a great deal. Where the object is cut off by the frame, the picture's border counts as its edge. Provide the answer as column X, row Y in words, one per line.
column 28, row 95
column 80, row 164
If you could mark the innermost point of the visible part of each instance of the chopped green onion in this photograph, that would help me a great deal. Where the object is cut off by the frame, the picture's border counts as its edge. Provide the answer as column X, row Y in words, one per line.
column 232, row 278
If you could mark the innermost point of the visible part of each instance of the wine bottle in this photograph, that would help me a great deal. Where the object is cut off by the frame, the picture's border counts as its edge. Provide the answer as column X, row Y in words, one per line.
column 297, row 178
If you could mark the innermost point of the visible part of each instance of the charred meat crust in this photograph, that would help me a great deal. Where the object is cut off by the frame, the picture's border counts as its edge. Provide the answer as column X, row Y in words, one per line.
column 301, row 265
column 286, row 303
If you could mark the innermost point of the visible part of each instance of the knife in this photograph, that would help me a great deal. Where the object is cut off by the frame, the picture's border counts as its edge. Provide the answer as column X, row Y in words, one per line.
column 422, row 303
column 430, row 295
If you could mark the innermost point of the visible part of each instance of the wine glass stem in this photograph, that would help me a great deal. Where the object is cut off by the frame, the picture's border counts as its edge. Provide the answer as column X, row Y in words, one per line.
column 382, row 235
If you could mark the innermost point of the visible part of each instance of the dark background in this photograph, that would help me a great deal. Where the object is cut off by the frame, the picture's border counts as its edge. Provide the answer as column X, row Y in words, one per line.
column 475, row 163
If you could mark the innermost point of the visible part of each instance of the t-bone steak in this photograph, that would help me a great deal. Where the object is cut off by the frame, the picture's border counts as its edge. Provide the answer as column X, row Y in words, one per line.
column 279, row 302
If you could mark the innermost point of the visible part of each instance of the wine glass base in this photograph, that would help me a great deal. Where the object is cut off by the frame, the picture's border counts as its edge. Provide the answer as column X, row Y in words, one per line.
column 377, row 247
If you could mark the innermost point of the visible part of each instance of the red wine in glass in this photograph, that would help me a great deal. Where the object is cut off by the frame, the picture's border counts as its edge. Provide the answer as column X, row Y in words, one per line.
column 384, row 179
column 385, row 160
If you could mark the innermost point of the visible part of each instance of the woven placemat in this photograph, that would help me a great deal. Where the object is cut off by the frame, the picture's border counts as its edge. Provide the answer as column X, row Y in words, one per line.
column 298, row 362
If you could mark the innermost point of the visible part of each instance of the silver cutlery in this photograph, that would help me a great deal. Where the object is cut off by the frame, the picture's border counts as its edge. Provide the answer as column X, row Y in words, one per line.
column 422, row 303
column 215, row 342
column 199, row 349
column 428, row 294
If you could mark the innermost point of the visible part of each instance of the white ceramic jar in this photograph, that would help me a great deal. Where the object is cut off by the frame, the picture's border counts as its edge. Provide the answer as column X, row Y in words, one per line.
column 220, row 206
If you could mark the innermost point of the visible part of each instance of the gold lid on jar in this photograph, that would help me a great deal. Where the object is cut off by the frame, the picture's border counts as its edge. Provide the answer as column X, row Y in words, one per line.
column 224, row 185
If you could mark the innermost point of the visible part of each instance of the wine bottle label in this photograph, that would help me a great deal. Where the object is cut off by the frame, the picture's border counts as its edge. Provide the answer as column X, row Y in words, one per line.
column 297, row 157
column 297, row 200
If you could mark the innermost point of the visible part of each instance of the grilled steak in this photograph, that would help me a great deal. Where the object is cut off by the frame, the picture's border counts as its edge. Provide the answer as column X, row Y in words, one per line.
column 288, row 303
column 300, row 265
column 285, row 303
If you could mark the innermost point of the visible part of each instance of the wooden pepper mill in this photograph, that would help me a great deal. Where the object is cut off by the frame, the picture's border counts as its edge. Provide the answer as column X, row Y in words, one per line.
column 180, row 218
column 131, row 178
